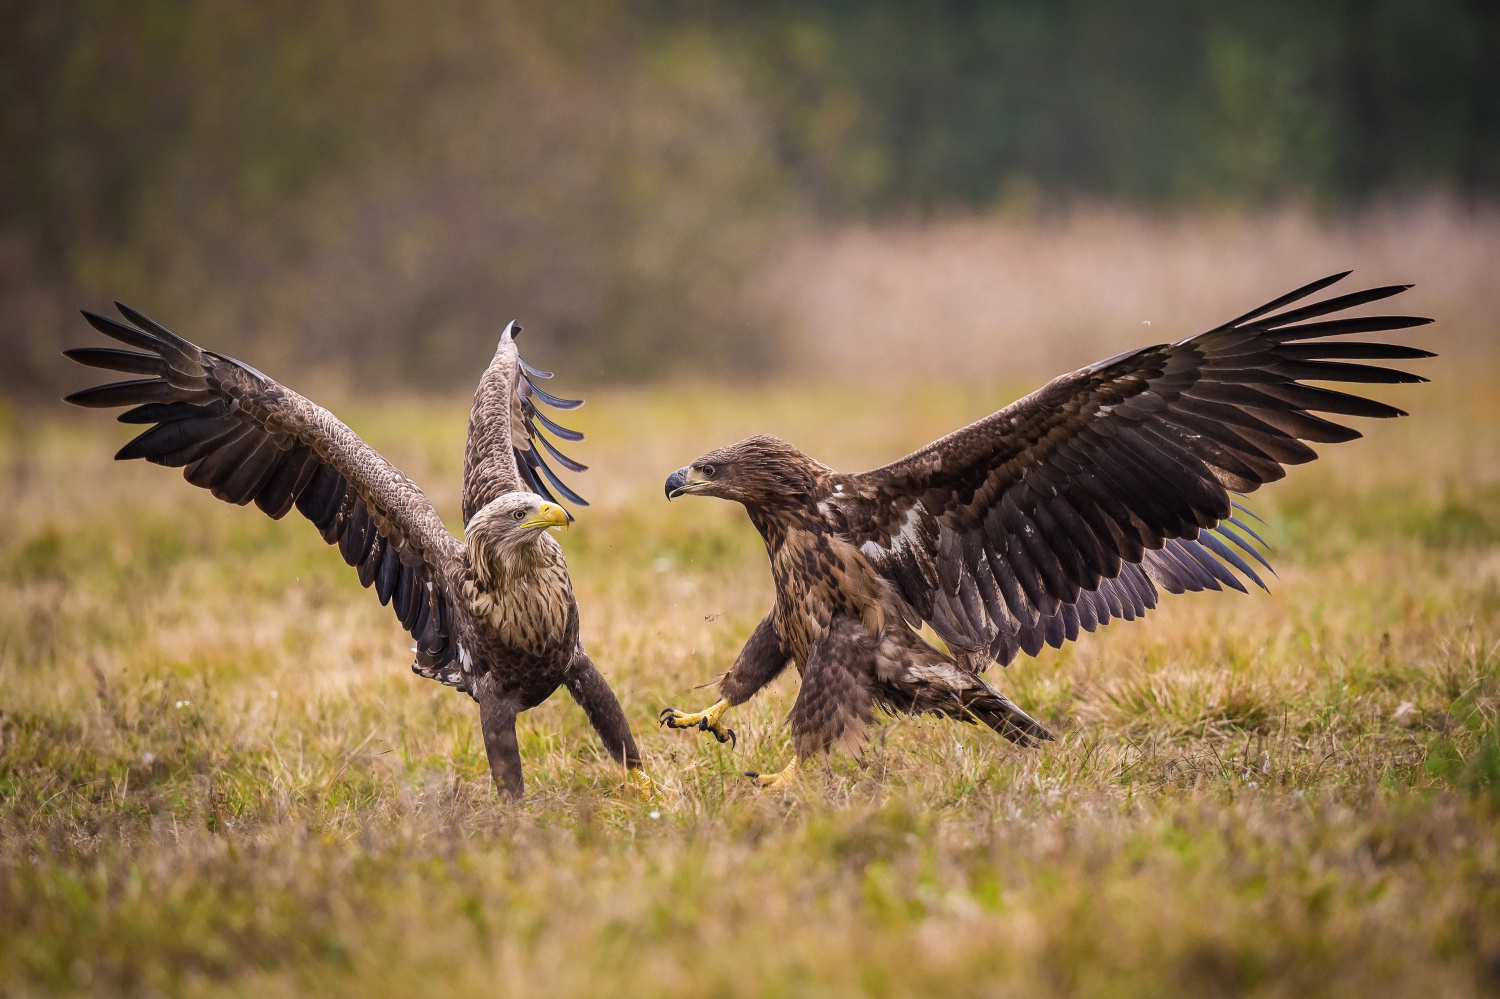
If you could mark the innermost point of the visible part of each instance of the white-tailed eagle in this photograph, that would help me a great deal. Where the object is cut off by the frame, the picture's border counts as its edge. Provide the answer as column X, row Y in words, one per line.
column 492, row 615
column 1060, row 513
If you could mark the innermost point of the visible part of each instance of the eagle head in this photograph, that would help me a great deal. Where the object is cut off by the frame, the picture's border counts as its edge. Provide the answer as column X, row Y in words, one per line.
column 757, row 471
column 507, row 534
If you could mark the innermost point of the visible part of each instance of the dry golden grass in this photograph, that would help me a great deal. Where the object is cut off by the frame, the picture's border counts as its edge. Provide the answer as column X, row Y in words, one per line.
column 976, row 299
column 218, row 776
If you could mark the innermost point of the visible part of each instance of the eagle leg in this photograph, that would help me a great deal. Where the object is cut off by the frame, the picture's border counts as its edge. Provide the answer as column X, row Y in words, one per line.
column 707, row 720
column 591, row 691
column 778, row 781
column 497, row 721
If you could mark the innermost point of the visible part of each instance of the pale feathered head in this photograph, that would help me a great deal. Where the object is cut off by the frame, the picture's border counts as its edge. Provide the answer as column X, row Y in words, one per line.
column 507, row 534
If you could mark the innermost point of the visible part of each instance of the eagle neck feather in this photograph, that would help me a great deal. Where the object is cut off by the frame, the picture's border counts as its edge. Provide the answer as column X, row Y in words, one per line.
column 524, row 597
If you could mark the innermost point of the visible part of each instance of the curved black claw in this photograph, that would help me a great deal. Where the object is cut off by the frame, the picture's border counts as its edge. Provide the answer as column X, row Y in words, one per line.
column 672, row 718
column 753, row 774
column 721, row 733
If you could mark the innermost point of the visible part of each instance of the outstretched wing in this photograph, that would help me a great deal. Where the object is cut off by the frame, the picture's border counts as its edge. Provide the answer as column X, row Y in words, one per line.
column 502, row 453
column 246, row 437
column 1067, row 508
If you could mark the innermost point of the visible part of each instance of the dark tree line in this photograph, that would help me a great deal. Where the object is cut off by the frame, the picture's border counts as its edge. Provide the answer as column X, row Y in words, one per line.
column 899, row 105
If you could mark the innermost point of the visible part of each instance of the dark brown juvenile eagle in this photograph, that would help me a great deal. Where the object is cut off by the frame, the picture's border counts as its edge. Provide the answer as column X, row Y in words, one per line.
column 1061, row 512
column 492, row 615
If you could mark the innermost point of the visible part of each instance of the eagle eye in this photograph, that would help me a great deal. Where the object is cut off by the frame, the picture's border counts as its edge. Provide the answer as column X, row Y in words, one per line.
column 519, row 515
column 707, row 470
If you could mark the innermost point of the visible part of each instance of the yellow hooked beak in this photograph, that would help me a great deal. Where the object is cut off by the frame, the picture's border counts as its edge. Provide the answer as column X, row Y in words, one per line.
column 547, row 515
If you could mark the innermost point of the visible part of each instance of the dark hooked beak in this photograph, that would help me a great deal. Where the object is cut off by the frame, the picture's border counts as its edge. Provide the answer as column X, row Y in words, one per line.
column 681, row 481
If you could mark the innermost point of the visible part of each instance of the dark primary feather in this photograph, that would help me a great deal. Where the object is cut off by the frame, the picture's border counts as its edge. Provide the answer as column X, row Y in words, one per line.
column 209, row 415
column 1084, row 497
column 128, row 361
column 551, row 400
column 530, row 461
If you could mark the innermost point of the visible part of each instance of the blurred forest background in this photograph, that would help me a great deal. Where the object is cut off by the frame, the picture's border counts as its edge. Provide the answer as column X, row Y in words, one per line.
column 363, row 192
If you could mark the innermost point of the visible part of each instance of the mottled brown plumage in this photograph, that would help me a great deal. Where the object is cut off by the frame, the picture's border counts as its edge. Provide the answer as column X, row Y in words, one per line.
column 493, row 615
column 1057, row 514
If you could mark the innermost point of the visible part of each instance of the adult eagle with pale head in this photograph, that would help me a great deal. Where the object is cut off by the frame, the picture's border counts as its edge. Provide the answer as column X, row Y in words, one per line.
column 1059, row 513
column 492, row 615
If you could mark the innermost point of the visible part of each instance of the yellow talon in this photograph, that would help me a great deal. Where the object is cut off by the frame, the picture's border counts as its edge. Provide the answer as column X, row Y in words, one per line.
column 706, row 720
column 777, row 781
column 642, row 784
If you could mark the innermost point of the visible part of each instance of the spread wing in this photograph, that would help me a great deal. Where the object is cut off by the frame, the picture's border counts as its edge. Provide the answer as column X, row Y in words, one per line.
column 1068, row 507
column 246, row 437
column 502, row 453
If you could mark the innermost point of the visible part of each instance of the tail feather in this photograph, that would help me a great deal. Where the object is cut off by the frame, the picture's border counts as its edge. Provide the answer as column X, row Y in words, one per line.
column 945, row 689
column 1001, row 714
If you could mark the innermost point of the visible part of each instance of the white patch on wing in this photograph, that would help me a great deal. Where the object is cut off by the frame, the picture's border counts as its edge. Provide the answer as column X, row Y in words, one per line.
column 1103, row 411
column 464, row 659
column 942, row 674
column 907, row 537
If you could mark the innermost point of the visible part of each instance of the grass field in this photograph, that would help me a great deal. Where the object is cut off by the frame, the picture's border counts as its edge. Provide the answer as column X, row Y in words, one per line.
column 218, row 775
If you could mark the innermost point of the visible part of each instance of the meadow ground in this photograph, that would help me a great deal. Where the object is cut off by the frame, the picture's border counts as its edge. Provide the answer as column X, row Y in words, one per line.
column 219, row 777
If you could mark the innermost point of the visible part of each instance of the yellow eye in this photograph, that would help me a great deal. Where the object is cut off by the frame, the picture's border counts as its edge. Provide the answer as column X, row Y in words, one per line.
column 519, row 515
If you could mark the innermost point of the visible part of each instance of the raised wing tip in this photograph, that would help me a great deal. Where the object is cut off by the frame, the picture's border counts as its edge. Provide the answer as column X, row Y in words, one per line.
column 103, row 324
column 135, row 317
column 512, row 330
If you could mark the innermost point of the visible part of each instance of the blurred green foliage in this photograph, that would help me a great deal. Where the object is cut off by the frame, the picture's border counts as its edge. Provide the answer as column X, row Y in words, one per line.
column 886, row 105
column 375, row 188
column 379, row 187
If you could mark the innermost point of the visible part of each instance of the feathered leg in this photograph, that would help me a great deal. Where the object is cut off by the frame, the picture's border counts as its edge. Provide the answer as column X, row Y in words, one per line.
column 497, row 721
column 591, row 691
column 834, row 704
column 759, row 662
